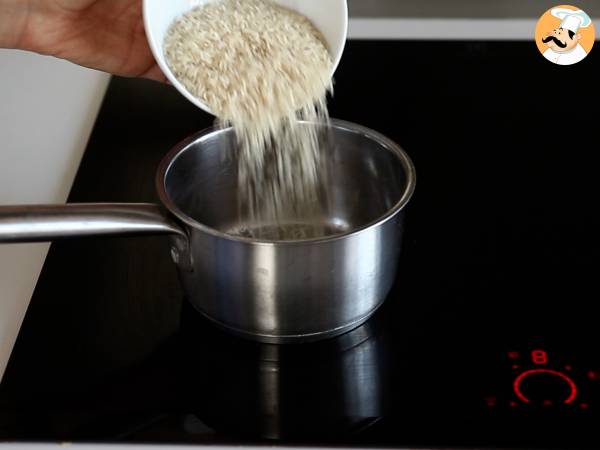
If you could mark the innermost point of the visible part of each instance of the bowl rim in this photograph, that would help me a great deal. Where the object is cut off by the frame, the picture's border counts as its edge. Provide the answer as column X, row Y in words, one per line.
column 185, row 145
column 159, row 56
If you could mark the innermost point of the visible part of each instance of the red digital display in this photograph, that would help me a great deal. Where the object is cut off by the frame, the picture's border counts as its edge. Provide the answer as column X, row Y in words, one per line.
column 539, row 357
column 542, row 380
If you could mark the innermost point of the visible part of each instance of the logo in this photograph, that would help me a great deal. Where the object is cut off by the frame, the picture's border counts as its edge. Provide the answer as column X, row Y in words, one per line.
column 565, row 35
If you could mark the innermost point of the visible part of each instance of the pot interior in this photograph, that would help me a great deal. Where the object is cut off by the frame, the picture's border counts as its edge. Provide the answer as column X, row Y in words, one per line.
column 367, row 178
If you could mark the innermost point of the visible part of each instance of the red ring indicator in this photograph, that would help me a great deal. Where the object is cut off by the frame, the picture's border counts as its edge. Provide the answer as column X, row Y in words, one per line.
column 519, row 379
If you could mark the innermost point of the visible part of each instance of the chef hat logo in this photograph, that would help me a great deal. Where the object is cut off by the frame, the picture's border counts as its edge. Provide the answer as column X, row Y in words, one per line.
column 565, row 35
column 571, row 20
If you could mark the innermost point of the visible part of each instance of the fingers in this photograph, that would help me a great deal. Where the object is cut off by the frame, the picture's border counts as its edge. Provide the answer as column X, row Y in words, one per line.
column 155, row 74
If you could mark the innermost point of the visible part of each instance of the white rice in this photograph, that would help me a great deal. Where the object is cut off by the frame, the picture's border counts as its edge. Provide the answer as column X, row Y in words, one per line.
column 260, row 68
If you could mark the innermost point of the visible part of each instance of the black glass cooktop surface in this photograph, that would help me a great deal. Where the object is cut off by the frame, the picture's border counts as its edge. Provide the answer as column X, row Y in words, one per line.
column 489, row 337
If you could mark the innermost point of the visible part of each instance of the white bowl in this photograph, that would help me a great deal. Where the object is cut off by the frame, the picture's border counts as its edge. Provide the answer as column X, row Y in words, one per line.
column 329, row 16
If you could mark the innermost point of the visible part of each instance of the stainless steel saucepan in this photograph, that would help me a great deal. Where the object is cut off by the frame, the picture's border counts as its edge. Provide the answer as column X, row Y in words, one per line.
column 271, row 291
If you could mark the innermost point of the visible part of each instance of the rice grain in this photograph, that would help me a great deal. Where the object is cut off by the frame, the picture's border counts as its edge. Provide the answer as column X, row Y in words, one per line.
column 261, row 68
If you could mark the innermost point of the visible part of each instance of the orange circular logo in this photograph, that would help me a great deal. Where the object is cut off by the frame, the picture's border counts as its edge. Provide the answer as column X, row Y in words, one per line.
column 565, row 35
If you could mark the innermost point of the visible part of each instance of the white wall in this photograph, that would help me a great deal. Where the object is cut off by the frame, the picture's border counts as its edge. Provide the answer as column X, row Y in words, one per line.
column 47, row 110
column 452, row 20
column 462, row 9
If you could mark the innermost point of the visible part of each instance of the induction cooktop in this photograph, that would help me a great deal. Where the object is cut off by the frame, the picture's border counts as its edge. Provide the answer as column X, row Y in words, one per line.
column 488, row 338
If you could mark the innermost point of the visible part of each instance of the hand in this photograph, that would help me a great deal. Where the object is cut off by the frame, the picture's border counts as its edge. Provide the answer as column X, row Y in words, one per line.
column 107, row 35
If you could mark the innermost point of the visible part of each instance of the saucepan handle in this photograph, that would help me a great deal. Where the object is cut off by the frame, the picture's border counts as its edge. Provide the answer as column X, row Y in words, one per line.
column 43, row 223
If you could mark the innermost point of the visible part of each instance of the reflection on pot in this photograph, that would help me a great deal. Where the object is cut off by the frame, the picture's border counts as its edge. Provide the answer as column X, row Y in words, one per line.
column 311, row 391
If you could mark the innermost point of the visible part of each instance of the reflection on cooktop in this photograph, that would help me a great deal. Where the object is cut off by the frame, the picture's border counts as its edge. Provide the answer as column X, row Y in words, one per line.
column 323, row 391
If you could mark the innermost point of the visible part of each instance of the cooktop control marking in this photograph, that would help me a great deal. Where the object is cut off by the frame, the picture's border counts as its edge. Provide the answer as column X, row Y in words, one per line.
column 539, row 357
column 530, row 373
column 542, row 380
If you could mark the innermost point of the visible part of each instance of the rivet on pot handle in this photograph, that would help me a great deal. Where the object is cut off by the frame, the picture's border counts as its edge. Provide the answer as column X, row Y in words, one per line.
column 44, row 223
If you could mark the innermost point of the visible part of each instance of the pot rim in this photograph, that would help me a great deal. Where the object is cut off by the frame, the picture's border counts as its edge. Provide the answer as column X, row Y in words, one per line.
column 382, row 140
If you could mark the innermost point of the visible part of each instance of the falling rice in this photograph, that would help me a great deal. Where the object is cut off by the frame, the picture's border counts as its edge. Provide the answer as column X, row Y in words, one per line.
column 261, row 68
